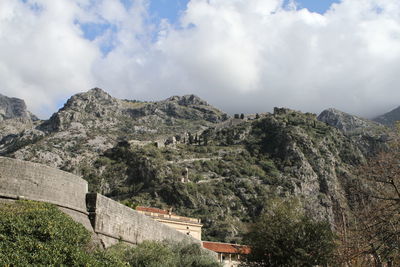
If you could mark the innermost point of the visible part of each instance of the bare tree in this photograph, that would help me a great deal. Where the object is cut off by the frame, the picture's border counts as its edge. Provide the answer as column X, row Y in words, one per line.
column 377, row 220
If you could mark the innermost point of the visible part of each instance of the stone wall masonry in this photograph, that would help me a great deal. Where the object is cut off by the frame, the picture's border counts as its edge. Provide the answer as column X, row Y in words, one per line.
column 113, row 221
column 33, row 181
column 22, row 179
column 108, row 220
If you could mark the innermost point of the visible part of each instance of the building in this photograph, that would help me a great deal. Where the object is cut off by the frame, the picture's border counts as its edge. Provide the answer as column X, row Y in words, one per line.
column 189, row 226
column 229, row 255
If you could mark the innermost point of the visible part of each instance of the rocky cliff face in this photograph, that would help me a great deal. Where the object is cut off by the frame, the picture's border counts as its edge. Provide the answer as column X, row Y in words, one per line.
column 92, row 122
column 345, row 122
column 389, row 118
column 11, row 108
column 14, row 117
column 370, row 136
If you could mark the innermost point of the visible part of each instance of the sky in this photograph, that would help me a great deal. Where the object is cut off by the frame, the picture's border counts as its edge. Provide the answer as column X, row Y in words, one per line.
column 242, row 56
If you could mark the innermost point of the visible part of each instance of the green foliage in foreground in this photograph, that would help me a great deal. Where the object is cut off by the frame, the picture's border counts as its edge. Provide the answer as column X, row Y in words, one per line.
column 166, row 254
column 38, row 234
column 35, row 233
column 285, row 236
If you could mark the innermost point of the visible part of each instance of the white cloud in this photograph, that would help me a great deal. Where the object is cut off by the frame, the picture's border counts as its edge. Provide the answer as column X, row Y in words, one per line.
column 42, row 53
column 241, row 55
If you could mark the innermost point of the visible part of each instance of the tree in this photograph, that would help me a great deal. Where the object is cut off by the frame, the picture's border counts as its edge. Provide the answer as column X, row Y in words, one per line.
column 229, row 139
column 205, row 140
column 242, row 116
column 377, row 211
column 285, row 236
column 190, row 138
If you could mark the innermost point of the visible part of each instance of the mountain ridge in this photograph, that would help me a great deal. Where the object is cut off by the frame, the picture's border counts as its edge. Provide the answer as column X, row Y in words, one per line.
column 389, row 118
column 182, row 152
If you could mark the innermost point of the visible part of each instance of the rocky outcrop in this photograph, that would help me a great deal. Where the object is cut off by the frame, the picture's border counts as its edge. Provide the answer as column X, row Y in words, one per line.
column 371, row 137
column 14, row 117
column 189, row 107
column 389, row 118
column 314, row 157
column 11, row 108
column 91, row 122
column 345, row 122
column 94, row 108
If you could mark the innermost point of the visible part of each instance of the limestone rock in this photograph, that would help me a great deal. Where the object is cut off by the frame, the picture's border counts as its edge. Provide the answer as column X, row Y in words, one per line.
column 14, row 117
column 389, row 118
column 91, row 122
column 11, row 107
column 345, row 122
column 371, row 137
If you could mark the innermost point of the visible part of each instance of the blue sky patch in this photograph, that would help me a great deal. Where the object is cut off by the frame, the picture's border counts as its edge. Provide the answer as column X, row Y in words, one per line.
column 127, row 3
column 319, row 6
column 167, row 9
column 93, row 30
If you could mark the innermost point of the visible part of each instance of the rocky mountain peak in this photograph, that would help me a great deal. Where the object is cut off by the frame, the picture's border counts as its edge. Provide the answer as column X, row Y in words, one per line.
column 187, row 100
column 389, row 118
column 191, row 100
column 85, row 108
column 93, row 96
column 345, row 122
column 11, row 107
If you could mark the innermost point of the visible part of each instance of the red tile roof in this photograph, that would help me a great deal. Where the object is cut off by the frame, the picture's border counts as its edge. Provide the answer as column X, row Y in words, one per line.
column 154, row 210
column 226, row 248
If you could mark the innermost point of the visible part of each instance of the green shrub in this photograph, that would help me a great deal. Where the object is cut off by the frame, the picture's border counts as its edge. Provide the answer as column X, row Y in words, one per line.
column 34, row 233
column 191, row 255
column 165, row 254
column 151, row 254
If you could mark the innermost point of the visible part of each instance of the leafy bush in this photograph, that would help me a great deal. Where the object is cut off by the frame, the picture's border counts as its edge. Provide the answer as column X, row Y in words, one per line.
column 151, row 254
column 166, row 254
column 34, row 233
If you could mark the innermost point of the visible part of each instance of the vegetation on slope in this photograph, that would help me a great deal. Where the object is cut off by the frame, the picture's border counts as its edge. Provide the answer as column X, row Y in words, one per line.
column 233, row 171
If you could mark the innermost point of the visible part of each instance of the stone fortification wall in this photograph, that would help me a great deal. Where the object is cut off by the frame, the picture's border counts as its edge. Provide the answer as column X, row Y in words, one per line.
column 113, row 221
column 107, row 219
column 28, row 180
column 22, row 179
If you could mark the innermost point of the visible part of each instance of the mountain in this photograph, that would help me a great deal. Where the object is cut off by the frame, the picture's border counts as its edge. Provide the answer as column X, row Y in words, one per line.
column 14, row 116
column 11, row 108
column 227, row 176
column 370, row 136
column 185, row 154
column 345, row 122
column 389, row 118
column 92, row 122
